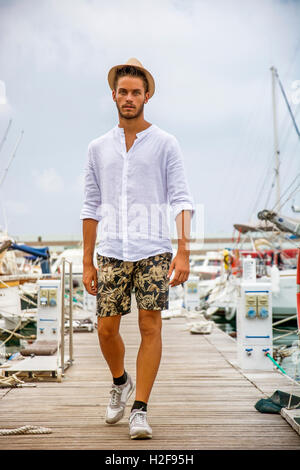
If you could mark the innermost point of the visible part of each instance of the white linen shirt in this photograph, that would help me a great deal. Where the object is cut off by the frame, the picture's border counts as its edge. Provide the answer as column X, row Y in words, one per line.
column 129, row 193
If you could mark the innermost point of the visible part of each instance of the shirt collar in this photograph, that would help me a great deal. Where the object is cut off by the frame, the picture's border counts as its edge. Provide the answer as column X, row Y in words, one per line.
column 120, row 131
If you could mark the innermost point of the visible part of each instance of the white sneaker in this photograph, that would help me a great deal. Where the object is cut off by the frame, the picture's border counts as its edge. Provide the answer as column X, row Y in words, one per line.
column 119, row 396
column 138, row 425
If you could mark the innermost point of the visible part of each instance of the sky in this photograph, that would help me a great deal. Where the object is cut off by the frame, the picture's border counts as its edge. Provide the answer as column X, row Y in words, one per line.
column 211, row 62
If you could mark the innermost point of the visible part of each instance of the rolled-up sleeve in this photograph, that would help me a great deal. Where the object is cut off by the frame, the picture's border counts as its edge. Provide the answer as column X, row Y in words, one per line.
column 179, row 194
column 92, row 195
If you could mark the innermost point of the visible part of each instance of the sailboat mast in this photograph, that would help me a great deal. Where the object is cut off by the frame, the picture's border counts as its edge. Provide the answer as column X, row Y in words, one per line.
column 11, row 159
column 275, row 131
column 5, row 135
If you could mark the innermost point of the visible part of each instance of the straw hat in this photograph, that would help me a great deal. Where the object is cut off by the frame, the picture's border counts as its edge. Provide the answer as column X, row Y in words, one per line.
column 136, row 63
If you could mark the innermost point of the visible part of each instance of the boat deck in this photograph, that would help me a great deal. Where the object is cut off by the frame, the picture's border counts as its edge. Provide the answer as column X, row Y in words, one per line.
column 200, row 399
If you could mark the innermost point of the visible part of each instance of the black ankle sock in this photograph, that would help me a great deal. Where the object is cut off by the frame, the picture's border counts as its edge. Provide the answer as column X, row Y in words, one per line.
column 120, row 380
column 139, row 405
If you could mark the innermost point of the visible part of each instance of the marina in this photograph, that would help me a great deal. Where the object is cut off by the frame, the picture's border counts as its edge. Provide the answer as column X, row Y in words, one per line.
column 208, row 369
column 229, row 377
column 201, row 399
column 203, row 386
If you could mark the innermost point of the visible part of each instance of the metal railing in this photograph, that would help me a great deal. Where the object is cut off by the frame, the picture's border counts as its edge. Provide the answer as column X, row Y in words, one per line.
column 62, row 339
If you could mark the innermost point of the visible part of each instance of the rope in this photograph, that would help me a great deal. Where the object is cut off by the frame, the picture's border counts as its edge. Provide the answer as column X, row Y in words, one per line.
column 17, row 335
column 27, row 429
column 11, row 381
column 16, row 328
column 289, row 407
column 26, row 299
column 12, row 333
column 21, row 296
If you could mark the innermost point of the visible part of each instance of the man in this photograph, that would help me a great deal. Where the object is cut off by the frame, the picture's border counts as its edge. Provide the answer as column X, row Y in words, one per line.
column 132, row 173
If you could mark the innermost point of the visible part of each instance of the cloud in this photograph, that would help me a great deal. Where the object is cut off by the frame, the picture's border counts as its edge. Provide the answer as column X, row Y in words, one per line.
column 210, row 61
column 76, row 33
column 3, row 99
column 16, row 208
column 79, row 183
column 48, row 180
column 5, row 107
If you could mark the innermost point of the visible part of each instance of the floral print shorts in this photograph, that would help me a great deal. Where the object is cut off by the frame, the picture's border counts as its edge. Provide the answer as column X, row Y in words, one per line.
column 118, row 278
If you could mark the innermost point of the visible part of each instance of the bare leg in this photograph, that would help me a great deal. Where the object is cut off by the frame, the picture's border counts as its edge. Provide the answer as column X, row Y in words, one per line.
column 111, row 343
column 149, row 354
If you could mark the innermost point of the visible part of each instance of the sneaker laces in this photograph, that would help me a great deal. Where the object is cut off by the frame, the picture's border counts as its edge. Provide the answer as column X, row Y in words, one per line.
column 115, row 395
column 140, row 417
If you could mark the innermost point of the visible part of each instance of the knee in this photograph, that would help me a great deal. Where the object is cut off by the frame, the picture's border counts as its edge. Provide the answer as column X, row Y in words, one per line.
column 106, row 330
column 150, row 325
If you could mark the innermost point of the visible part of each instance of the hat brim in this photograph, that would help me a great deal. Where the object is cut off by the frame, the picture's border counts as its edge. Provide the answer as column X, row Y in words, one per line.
column 150, row 79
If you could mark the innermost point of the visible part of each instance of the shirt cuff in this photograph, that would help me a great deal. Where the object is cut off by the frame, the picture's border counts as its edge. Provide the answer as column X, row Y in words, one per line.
column 89, row 215
column 185, row 206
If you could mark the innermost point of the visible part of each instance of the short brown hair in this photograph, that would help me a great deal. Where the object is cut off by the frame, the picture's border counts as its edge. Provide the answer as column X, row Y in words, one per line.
column 132, row 72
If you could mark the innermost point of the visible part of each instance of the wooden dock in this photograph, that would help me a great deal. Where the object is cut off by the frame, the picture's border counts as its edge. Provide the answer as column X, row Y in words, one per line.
column 200, row 400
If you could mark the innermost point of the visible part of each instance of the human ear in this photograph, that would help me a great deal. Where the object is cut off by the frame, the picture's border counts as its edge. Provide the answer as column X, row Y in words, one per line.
column 146, row 97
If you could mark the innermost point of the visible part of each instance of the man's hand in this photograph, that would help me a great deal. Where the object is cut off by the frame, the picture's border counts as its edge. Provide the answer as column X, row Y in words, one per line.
column 89, row 279
column 181, row 264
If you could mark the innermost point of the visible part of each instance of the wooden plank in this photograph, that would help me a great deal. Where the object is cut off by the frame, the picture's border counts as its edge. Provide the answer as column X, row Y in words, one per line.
column 292, row 417
column 200, row 400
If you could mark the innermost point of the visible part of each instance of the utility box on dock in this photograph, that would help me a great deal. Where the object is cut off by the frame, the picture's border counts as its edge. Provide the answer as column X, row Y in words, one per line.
column 191, row 295
column 254, row 326
column 47, row 353
column 49, row 310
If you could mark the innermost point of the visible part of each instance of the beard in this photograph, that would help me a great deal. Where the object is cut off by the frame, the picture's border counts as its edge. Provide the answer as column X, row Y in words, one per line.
column 132, row 115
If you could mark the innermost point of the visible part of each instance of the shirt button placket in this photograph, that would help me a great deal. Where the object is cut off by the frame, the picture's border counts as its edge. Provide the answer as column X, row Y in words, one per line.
column 124, row 201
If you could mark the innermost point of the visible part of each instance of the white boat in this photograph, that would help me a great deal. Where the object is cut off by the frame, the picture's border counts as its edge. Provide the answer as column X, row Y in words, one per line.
column 284, row 298
column 206, row 266
column 74, row 255
column 8, row 259
column 223, row 296
column 11, row 314
column 84, row 304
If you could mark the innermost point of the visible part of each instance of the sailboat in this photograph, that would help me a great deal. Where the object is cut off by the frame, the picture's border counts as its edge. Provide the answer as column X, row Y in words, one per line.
column 275, row 261
column 16, row 281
